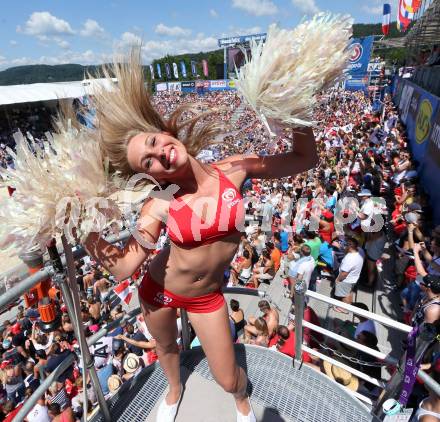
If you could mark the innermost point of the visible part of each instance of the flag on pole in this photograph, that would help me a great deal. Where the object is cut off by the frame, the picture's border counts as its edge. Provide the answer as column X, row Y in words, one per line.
column 412, row 6
column 193, row 68
column 159, row 71
column 386, row 19
column 175, row 71
column 205, row 67
column 123, row 291
column 152, row 71
column 404, row 17
column 183, row 68
column 168, row 70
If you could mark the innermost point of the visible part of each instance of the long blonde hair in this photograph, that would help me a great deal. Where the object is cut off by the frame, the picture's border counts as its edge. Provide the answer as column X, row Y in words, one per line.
column 127, row 110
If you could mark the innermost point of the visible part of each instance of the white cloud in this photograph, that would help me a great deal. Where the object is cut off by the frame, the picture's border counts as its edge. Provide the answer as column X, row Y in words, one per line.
column 256, row 7
column 2, row 60
column 213, row 13
column 307, row 7
column 127, row 40
column 62, row 43
column 156, row 49
column 172, row 31
column 233, row 30
column 91, row 28
column 372, row 10
column 42, row 24
column 13, row 42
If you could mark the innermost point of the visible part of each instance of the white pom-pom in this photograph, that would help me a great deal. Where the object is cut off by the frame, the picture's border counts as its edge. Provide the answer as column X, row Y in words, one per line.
column 283, row 75
column 61, row 186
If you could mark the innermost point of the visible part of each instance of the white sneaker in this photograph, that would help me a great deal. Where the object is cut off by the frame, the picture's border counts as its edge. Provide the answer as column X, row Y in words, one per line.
column 168, row 412
column 246, row 418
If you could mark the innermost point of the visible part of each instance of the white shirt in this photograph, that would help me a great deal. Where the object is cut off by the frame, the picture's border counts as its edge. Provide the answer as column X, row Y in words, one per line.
column 352, row 264
column 38, row 414
column 367, row 208
column 306, row 269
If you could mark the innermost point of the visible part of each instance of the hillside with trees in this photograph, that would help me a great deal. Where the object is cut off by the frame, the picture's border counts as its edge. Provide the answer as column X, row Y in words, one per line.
column 76, row 72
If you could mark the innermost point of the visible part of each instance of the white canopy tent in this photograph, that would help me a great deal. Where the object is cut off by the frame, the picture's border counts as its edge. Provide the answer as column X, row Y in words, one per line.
column 14, row 94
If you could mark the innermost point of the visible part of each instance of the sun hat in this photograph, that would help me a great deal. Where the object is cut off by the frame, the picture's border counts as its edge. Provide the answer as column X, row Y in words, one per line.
column 364, row 192
column 114, row 382
column 341, row 376
column 131, row 363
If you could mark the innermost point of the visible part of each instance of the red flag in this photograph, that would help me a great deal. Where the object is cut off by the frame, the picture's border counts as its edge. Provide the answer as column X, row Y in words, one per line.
column 123, row 291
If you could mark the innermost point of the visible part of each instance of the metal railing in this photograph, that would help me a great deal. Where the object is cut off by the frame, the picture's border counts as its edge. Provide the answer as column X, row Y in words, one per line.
column 390, row 388
column 300, row 294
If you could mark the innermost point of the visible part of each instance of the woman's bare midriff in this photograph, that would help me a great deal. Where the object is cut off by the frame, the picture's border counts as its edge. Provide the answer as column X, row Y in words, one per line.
column 194, row 271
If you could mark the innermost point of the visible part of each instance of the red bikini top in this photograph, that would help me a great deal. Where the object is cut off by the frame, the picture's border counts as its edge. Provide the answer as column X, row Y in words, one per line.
column 186, row 228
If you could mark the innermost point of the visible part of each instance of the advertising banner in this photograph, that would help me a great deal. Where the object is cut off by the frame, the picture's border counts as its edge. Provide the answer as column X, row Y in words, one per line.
column 168, row 70
column 152, row 71
column 218, row 85
column 183, row 68
column 159, row 71
column 175, row 71
column 357, row 69
column 174, row 86
column 161, row 86
column 189, row 86
column 422, row 118
column 205, row 67
column 193, row 68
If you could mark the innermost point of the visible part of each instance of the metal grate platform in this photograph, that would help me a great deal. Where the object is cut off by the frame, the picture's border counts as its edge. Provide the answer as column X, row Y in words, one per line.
column 282, row 392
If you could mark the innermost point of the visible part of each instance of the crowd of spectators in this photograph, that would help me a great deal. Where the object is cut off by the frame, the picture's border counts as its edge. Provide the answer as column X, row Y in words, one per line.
column 329, row 225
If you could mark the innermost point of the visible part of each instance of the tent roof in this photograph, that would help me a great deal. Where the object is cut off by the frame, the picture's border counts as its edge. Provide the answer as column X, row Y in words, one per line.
column 14, row 94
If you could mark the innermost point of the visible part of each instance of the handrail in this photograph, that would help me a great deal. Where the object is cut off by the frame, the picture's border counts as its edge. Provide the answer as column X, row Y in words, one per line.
column 32, row 400
column 335, row 362
column 23, row 286
column 372, row 352
column 358, row 311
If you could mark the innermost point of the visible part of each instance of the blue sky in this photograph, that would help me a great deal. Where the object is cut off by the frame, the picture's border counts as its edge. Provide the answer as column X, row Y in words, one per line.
column 90, row 32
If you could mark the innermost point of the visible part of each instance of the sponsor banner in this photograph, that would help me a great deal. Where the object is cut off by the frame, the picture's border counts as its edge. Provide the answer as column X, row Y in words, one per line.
column 360, row 55
column 183, row 68
column 422, row 119
column 205, row 67
column 218, row 85
column 375, row 66
column 174, row 86
column 240, row 39
column 168, row 70
column 161, row 86
column 356, row 83
column 152, row 71
column 189, row 86
column 159, row 71
column 193, row 68
column 175, row 71
column 414, row 103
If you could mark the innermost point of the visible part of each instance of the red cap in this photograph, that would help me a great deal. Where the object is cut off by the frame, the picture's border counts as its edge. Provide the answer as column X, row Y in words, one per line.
column 327, row 215
column 5, row 363
column 16, row 328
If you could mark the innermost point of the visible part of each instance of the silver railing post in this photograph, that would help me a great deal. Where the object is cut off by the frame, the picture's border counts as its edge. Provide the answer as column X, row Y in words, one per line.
column 186, row 339
column 299, row 299
column 392, row 389
column 69, row 289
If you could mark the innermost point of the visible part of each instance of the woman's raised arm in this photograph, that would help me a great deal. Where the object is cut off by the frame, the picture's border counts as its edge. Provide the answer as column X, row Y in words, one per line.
column 122, row 263
column 302, row 157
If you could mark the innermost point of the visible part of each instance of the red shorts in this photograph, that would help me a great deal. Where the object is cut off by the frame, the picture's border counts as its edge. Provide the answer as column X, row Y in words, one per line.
column 156, row 295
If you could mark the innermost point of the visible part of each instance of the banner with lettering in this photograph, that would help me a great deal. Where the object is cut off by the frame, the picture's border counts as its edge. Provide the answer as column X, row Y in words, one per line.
column 168, row 70
column 175, row 71
column 205, row 67
column 357, row 69
column 193, row 68
column 159, row 71
column 421, row 112
column 183, row 68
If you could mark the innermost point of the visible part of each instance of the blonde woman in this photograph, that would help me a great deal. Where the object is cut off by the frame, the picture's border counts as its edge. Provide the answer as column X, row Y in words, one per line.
column 202, row 220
